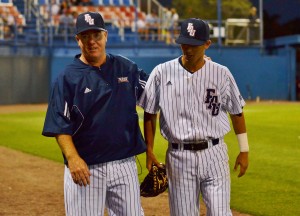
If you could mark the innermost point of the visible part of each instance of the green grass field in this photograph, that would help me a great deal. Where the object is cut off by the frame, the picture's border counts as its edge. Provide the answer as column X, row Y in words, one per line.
column 271, row 186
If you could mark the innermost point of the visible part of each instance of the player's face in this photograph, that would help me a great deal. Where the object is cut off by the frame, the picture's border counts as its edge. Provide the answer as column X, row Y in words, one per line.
column 192, row 54
column 92, row 44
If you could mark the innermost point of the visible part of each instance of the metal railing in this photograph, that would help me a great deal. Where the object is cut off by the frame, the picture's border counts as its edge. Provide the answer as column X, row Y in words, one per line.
column 41, row 30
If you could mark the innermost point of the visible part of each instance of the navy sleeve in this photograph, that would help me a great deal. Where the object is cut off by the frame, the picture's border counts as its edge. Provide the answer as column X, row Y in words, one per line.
column 140, row 76
column 142, row 79
column 57, row 119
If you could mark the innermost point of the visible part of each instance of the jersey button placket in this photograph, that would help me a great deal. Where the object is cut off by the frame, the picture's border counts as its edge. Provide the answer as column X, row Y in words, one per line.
column 191, row 104
column 189, row 93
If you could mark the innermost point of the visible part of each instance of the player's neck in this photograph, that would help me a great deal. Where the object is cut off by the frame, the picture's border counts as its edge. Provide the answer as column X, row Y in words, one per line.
column 193, row 66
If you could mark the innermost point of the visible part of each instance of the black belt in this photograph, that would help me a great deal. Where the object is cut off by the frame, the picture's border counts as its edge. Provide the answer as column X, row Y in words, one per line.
column 195, row 146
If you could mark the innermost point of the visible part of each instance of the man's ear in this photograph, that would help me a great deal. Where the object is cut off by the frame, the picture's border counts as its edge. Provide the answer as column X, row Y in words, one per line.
column 76, row 38
column 207, row 44
column 106, row 35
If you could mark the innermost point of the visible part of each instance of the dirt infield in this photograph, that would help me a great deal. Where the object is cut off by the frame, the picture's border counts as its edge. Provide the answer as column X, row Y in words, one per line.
column 22, row 108
column 33, row 186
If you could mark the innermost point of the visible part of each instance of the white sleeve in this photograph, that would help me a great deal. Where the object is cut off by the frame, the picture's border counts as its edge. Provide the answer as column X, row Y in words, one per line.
column 235, row 102
column 149, row 100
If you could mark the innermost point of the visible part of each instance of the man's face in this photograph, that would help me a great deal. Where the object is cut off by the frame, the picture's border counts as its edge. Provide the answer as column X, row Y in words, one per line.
column 193, row 53
column 92, row 44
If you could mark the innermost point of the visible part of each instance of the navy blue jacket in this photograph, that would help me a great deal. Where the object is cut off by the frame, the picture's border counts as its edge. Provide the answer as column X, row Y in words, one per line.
column 97, row 107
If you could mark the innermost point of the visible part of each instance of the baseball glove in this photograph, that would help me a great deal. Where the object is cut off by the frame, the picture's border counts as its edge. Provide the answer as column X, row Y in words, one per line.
column 155, row 183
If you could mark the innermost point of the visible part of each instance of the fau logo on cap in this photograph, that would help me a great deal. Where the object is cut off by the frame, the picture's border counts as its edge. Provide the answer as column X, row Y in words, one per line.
column 89, row 19
column 190, row 29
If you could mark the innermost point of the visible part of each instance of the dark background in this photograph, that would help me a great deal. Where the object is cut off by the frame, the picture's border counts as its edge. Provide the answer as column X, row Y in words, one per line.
column 286, row 10
column 281, row 17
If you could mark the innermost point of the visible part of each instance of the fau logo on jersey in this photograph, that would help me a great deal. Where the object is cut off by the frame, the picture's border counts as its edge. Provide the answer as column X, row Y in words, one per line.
column 212, row 101
column 122, row 79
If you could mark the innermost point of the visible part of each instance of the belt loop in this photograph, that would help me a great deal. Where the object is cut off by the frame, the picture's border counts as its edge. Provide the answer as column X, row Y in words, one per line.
column 177, row 146
column 218, row 141
column 215, row 141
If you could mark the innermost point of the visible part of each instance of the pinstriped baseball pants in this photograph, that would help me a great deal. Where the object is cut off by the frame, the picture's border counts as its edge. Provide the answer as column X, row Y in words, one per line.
column 113, row 185
column 192, row 173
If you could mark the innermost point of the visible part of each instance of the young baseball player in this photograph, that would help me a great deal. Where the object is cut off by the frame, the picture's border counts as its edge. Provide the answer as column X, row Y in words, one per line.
column 92, row 114
column 193, row 96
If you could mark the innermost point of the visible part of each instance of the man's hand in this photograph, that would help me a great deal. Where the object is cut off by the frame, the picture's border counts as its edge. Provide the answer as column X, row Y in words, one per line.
column 151, row 159
column 77, row 166
column 242, row 161
column 79, row 171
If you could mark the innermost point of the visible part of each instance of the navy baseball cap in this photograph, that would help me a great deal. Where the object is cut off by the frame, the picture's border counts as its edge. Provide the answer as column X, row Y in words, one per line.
column 194, row 32
column 89, row 21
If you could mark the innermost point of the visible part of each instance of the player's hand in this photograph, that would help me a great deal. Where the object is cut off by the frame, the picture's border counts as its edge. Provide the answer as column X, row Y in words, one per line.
column 151, row 159
column 242, row 161
column 79, row 171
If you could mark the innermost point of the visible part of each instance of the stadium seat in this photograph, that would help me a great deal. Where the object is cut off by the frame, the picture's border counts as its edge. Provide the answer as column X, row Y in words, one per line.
column 80, row 9
column 107, row 17
column 116, row 2
column 96, row 2
column 13, row 10
column 123, row 8
column 100, row 8
column 132, row 8
column 43, row 2
column 127, row 2
column 92, row 8
column 106, row 2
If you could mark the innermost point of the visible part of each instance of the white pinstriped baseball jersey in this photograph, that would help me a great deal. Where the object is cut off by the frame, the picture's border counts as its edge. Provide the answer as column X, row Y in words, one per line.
column 193, row 106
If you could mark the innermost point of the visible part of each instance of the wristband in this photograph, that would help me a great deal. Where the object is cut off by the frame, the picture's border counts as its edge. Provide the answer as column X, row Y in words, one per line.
column 243, row 142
